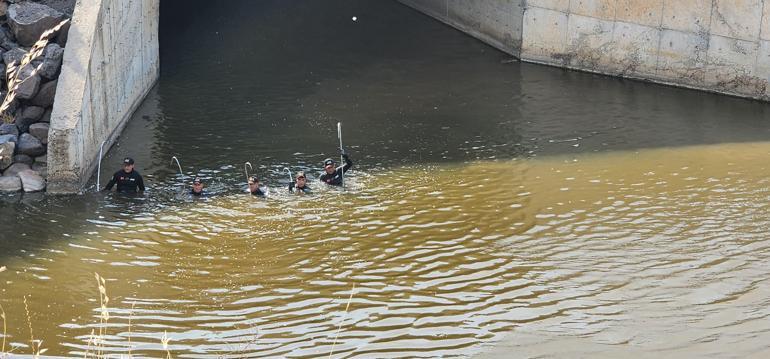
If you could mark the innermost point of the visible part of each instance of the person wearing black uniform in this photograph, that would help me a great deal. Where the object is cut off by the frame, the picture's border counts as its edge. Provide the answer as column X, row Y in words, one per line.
column 128, row 180
column 333, row 175
column 300, row 185
column 197, row 187
column 254, row 188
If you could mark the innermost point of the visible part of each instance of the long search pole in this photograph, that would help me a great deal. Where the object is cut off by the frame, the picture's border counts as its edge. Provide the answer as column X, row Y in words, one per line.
column 99, row 166
column 181, row 173
column 246, row 170
column 342, row 158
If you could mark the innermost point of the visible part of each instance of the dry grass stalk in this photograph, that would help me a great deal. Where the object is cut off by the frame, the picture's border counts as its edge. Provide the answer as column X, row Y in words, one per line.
column 2, row 316
column 15, row 70
column 89, row 342
column 5, row 329
column 343, row 320
column 165, row 341
column 96, row 340
column 34, row 344
column 242, row 351
column 104, row 314
column 130, row 315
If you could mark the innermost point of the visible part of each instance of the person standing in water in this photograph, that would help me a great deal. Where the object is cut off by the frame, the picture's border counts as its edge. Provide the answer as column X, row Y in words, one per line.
column 254, row 188
column 128, row 180
column 333, row 175
column 197, row 187
column 300, row 184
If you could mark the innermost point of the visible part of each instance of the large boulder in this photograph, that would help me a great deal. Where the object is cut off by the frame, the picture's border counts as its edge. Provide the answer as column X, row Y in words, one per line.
column 13, row 56
column 9, row 138
column 9, row 129
column 23, row 159
column 29, row 20
column 52, row 57
column 65, row 6
column 15, row 169
column 31, row 181
column 40, row 168
column 12, row 107
column 40, row 131
column 45, row 95
column 10, row 184
column 47, row 115
column 6, row 153
column 28, row 116
column 30, row 146
column 28, row 84
column 6, row 39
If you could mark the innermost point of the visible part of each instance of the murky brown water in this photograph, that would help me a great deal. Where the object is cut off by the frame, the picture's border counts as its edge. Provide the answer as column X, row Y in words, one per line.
column 658, row 251
column 494, row 208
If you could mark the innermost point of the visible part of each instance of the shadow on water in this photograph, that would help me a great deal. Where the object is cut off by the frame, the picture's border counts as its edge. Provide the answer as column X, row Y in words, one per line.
column 273, row 80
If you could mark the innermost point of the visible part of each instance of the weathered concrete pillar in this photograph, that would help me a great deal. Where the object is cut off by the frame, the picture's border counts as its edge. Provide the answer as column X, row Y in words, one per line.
column 110, row 63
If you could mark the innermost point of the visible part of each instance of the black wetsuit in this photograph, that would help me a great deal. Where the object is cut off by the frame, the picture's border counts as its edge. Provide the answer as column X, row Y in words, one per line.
column 335, row 179
column 293, row 187
column 196, row 194
column 258, row 192
column 127, row 182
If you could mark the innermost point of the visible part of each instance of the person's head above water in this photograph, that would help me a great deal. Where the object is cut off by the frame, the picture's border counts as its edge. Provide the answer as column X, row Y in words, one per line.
column 128, row 164
column 301, row 180
column 329, row 166
column 197, row 185
column 253, row 183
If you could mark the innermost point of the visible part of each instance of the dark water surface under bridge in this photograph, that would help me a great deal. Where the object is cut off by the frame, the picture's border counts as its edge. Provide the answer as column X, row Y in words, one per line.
column 562, row 213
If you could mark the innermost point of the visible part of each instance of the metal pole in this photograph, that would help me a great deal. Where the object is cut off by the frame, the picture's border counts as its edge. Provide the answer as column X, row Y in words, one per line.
column 342, row 158
column 99, row 165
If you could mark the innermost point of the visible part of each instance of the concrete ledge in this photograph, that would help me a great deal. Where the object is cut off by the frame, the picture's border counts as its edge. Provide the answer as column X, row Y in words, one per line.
column 110, row 63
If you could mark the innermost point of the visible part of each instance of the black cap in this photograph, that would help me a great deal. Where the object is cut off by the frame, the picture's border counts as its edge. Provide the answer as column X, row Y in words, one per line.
column 128, row 161
column 328, row 162
column 253, row 179
column 197, row 180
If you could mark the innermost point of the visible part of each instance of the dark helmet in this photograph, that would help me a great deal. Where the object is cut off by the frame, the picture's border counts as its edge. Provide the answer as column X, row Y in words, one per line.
column 328, row 162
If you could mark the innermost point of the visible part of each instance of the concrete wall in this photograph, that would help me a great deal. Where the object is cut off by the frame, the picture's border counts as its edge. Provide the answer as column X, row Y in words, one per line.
column 714, row 45
column 110, row 63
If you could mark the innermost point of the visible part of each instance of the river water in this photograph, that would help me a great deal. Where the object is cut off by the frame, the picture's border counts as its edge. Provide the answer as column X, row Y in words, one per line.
column 494, row 207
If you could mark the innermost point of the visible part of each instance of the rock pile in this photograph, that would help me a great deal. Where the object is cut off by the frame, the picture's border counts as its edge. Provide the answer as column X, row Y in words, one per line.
column 24, row 127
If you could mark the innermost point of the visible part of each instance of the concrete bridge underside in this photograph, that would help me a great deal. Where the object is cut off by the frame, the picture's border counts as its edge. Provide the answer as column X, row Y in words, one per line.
column 112, row 58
